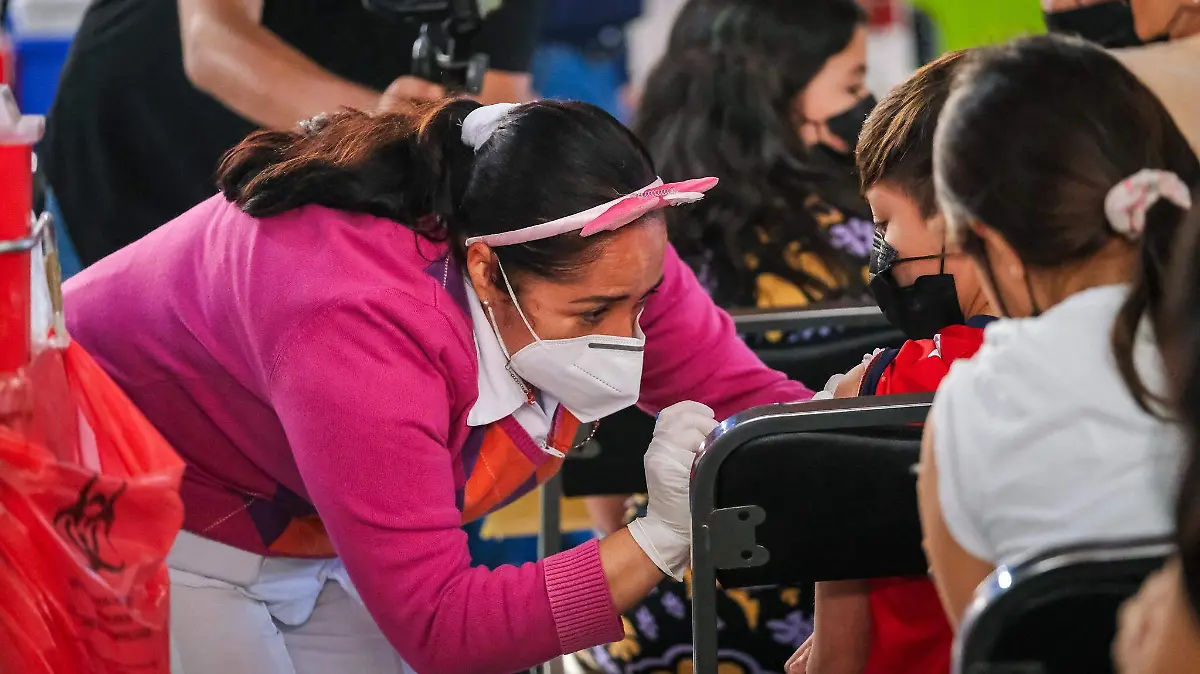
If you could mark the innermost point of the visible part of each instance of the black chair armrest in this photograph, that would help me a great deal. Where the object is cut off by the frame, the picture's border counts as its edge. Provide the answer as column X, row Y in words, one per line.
column 1055, row 613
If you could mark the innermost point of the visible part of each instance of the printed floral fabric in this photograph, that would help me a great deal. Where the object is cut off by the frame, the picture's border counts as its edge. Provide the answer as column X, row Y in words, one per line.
column 758, row 631
column 789, row 274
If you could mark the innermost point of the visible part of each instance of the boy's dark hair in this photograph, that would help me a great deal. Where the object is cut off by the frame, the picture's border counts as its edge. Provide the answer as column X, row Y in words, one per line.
column 896, row 144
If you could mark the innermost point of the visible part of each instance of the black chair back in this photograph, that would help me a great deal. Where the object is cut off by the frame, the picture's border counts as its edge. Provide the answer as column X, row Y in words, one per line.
column 802, row 493
column 835, row 505
column 1056, row 613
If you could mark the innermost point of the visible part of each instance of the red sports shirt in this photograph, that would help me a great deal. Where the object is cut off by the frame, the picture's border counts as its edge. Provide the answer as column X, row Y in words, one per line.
column 909, row 632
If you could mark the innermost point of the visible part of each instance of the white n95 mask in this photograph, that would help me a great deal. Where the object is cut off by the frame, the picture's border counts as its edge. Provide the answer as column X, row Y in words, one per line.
column 592, row 376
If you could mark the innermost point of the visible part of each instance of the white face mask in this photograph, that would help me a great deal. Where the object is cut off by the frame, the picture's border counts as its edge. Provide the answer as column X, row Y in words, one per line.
column 592, row 376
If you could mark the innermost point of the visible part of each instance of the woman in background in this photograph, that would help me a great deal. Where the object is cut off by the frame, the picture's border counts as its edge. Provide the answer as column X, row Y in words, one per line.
column 769, row 96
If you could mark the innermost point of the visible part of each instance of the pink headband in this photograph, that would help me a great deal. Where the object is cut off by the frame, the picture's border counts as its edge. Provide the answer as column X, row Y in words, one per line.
column 608, row 216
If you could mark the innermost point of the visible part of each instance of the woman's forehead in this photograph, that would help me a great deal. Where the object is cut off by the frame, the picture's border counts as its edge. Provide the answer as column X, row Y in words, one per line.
column 630, row 262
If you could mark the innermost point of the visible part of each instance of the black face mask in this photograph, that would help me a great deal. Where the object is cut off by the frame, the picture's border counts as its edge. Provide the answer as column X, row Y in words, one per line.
column 1108, row 24
column 922, row 309
column 848, row 125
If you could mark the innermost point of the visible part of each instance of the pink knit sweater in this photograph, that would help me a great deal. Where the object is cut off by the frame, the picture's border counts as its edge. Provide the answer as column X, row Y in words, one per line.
column 315, row 369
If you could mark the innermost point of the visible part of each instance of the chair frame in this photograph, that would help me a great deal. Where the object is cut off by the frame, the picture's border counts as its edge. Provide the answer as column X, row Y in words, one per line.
column 1008, row 576
column 765, row 320
column 715, row 535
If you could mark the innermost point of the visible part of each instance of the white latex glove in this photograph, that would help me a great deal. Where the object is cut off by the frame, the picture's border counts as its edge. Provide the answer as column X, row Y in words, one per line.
column 665, row 533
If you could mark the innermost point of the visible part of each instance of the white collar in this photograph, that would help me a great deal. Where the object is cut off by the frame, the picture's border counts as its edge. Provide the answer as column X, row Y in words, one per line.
column 499, row 393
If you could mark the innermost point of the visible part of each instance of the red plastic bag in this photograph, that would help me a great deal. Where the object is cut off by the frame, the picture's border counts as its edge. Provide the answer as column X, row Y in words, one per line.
column 89, row 507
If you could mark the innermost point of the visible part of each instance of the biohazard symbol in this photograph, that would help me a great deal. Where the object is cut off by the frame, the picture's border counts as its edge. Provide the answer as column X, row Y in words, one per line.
column 88, row 523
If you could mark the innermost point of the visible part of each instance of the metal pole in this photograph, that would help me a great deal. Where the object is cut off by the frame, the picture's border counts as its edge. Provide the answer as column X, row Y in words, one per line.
column 550, row 540
column 18, row 133
column 550, row 534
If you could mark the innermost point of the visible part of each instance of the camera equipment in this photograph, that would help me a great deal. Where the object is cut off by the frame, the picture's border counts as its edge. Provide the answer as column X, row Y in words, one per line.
column 442, row 52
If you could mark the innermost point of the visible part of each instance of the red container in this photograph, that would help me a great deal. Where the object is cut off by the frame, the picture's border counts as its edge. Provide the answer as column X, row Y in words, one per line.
column 18, row 133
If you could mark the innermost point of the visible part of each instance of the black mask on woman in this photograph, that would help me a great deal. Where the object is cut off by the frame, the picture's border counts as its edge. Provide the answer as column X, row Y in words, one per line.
column 848, row 125
column 1108, row 24
column 922, row 309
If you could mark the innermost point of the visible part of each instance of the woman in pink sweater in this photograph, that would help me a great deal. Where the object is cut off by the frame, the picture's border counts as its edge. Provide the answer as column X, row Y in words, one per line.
column 384, row 327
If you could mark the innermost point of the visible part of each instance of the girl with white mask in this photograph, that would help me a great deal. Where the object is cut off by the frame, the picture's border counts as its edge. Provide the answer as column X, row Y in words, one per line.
column 387, row 326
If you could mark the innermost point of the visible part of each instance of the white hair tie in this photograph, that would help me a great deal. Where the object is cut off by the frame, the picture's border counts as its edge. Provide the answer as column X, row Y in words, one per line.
column 1129, row 200
column 482, row 122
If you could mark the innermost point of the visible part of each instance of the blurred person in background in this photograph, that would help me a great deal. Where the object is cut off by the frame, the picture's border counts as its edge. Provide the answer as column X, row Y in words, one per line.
column 1157, row 40
column 582, row 53
column 155, row 91
column 769, row 96
column 1160, row 627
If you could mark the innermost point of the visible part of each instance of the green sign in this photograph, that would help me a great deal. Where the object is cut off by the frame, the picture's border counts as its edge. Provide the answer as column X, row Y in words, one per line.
column 971, row 23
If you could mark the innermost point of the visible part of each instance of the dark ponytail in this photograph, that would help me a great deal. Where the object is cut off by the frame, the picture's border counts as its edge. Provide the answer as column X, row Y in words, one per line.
column 1146, row 299
column 404, row 168
column 1179, row 334
column 546, row 160
column 1035, row 134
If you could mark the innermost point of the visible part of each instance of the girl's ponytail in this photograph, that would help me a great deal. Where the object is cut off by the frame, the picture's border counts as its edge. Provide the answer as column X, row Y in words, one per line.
column 1150, row 207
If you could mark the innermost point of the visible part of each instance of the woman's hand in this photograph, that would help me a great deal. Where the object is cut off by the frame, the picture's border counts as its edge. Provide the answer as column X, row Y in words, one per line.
column 665, row 533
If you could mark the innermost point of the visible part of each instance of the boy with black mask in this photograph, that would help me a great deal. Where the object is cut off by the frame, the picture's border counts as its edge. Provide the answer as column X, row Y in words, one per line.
column 897, row 626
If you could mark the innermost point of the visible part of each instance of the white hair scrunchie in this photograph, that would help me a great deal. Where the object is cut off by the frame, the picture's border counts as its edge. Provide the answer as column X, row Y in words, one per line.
column 1129, row 200
column 482, row 122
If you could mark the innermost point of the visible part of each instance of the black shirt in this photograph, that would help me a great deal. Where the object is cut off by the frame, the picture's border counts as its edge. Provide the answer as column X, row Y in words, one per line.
column 130, row 143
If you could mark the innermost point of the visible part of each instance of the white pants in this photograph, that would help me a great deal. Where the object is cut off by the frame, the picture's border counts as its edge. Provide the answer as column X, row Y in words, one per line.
column 234, row 612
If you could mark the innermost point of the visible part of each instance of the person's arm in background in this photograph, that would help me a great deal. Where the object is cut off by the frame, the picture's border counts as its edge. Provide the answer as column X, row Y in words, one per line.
column 693, row 352
column 228, row 54
column 509, row 36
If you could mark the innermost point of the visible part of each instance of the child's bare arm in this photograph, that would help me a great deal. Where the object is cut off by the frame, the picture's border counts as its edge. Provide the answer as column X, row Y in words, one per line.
column 842, row 633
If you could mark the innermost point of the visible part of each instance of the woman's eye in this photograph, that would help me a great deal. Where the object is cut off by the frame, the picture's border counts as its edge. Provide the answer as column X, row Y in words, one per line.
column 594, row 317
